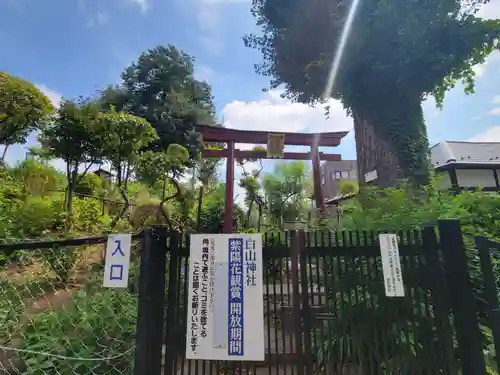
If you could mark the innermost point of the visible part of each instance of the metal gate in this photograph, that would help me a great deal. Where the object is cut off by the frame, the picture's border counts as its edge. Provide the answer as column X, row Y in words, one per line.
column 325, row 307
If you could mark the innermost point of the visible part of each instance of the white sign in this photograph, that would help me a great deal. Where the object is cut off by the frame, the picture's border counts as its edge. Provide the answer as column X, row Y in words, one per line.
column 391, row 265
column 117, row 262
column 371, row 176
column 225, row 317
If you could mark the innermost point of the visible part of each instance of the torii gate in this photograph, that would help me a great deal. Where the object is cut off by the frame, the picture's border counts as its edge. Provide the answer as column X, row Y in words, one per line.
column 213, row 134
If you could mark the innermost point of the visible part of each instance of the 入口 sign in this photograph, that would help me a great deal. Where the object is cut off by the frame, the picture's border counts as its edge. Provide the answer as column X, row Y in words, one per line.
column 391, row 265
column 117, row 261
column 225, row 317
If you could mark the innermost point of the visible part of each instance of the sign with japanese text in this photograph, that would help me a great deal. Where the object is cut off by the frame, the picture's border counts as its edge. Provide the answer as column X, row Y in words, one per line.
column 117, row 261
column 391, row 265
column 225, row 317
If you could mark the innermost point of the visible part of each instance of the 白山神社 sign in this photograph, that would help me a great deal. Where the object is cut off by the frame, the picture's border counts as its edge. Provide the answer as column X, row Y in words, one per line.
column 225, row 310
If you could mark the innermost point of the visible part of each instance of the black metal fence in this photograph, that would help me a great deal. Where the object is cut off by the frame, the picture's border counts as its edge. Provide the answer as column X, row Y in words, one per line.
column 326, row 311
column 487, row 298
column 325, row 306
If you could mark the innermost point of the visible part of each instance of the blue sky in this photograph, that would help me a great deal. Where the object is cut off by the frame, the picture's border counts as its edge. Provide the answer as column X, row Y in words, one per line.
column 74, row 47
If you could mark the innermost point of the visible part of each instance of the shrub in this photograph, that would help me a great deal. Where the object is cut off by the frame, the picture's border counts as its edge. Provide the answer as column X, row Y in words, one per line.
column 90, row 184
column 39, row 214
column 88, row 216
column 37, row 177
column 99, row 323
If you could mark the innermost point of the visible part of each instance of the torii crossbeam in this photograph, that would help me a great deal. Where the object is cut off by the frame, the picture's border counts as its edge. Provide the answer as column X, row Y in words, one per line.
column 215, row 134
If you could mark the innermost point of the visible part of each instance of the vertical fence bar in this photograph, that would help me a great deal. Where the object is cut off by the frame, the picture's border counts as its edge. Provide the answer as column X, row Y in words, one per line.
column 306, row 315
column 148, row 350
column 172, row 305
column 439, row 300
column 490, row 293
column 462, row 298
column 296, row 302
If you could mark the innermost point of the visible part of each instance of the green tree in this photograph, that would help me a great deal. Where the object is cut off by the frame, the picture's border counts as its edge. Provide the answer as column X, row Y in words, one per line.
column 397, row 54
column 124, row 136
column 23, row 108
column 207, row 173
column 348, row 187
column 250, row 183
column 163, row 166
column 285, row 191
column 160, row 87
column 76, row 137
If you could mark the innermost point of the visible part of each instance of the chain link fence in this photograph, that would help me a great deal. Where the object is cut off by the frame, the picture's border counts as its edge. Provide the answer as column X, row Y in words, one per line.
column 55, row 315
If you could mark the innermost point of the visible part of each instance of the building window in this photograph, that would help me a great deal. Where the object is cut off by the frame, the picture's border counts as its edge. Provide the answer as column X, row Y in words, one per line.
column 338, row 175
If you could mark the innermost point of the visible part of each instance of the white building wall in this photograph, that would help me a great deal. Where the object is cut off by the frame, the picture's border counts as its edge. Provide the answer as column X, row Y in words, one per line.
column 471, row 178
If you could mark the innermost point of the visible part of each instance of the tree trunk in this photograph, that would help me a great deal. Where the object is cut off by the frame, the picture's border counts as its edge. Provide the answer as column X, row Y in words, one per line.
column 249, row 213
column 391, row 140
column 72, row 176
column 260, row 218
column 200, row 205
column 5, row 152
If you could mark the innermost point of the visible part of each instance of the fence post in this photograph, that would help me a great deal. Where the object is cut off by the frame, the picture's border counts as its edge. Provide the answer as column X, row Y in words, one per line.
column 297, row 244
column 173, row 303
column 470, row 346
column 490, row 292
column 149, row 335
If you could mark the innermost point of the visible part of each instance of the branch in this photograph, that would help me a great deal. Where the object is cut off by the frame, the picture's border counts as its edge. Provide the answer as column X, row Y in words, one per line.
column 163, row 210
column 83, row 173
column 124, row 208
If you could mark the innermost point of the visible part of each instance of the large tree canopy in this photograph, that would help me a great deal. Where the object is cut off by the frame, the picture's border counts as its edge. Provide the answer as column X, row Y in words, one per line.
column 160, row 87
column 397, row 53
column 22, row 109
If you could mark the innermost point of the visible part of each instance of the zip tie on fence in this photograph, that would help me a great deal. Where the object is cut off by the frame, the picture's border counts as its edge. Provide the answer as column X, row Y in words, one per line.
column 6, row 348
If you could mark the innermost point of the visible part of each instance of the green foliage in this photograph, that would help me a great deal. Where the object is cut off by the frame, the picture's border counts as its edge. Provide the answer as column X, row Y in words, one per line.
column 99, row 323
column 285, row 191
column 125, row 136
column 89, row 184
column 404, row 209
column 155, row 166
column 38, row 215
column 212, row 213
column 61, row 261
column 23, row 108
column 160, row 87
column 407, row 208
column 38, row 177
column 75, row 135
column 88, row 216
column 396, row 54
column 348, row 187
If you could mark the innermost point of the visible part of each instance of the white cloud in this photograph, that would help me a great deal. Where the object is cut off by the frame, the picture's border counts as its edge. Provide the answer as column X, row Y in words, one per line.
column 273, row 113
column 53, row 95
column 494, row 112
column 99, row 19
column 496, row 99
column 490, row 10
column 277, row 114
column 142, row 4
column 491, row 135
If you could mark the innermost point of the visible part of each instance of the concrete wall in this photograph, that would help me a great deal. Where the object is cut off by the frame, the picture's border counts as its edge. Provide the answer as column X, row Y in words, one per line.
column 471, row 178
column 333, row 172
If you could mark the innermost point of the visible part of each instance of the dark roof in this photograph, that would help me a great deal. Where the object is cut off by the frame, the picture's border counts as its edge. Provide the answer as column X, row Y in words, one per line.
column 472, row 153
column 102, row 171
